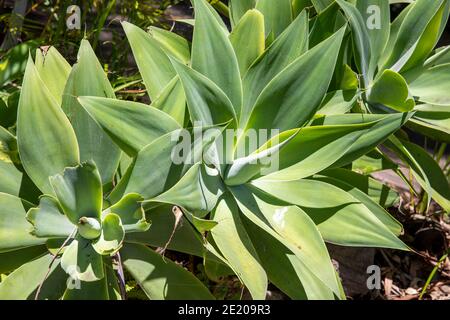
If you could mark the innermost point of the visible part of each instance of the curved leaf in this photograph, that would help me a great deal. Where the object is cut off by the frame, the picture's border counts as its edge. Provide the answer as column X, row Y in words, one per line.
column 14, row 228
column 293, row 96
column 48, row 221
column 391, row 89
column 79, row 192
column 82, row 262
column 161, row 279
column 292, row 43
column 88, row 79
column 213, row 55
column 336, row 212
column 233, row 242
column 46, row 140
column 197, row 191
column 131, row 213
column 112, row 235
column 153, row 63
column 248, row 39
column 54, row 71
column 130, row 125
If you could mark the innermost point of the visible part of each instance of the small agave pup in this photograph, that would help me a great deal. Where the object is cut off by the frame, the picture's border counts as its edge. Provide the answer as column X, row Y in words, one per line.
column 261, row 225
column 77, row 212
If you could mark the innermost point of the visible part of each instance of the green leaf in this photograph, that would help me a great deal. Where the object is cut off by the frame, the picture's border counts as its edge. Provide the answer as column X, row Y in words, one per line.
column 153, row 63
column 266, row 211
column 361, row 39
column 430, row 37
column 88, row 79
column 337, row 102
column 308, row 151
column 172, row 44
column 79, row 192
column 43, row 132
column 321, row 4
column 172, row 101
column 14, row 62
column 112, row 235
column 377, row 191
column 48, row 221
column 147, row 181
column 284, row 268
column 207, row 103
column 377, row 17
column 391, row 89
column 161, row 278
column 325, row 24
column 406, row 34
column 197, row 191
column 131, row 213
column 81, row 261
column 185, row 238
column 432, row 85
column 294, row 95
column 54, row 71
column 382, row 127
column 130, row 125
column 338, row 211
column 238, row 8
column 93, row 290
column 276, row 16
column 11, row 177
column 14, row 228
column 201, row 225
column 21, row 284
column 432, row 121
column 425, row 169
column 248, row 39
column 213, row 55
column 392, row 224
column 12, row 260
column 292, row 43
column 233, row 242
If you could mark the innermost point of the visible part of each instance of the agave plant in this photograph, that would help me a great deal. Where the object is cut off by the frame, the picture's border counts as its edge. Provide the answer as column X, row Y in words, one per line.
column 400, row 70
column 265, row 222
column 262, row 186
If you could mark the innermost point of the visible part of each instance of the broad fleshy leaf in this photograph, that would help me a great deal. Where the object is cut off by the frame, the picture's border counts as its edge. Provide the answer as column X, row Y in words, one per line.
column 131, row 213
column 45, row 137
column 213, row 55
column 88, row 79
column 293, row 96
column 112, row 235
column 248, row 39
column 161, row 278
column 197, row 191
column 233, row 242
column 54, row 71
column 14, row 228
column 339, row 211
column 131, row 125
column 79, row 192
column 81, row 261
column 48, row 221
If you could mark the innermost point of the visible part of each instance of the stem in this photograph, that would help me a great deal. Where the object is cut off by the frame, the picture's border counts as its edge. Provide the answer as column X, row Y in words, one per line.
column 121, row 274
column 431, row 276
column 38, row 291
